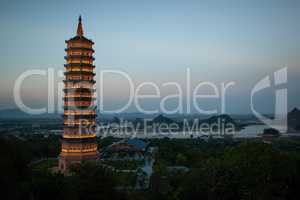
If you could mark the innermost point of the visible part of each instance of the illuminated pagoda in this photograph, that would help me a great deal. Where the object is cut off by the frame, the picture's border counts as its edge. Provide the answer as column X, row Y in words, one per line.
column 78, row 141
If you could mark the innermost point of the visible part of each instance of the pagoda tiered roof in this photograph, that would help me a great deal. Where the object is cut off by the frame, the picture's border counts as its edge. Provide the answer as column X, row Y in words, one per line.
column 80, row 38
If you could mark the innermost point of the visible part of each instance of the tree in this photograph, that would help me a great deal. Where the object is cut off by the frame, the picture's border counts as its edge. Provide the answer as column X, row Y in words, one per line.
column 181, row 159
column 93, row 182
column 249, row 171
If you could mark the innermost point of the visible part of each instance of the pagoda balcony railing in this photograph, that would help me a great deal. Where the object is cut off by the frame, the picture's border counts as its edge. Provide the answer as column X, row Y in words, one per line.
column 79, row 69
column 79, row 136
column 75, row 117
column 90, row 99
column 79, row 95
column 78, row 140
column 79, row 48
column 75, row 101
column 70, row 56
column 82, row 130
column 78, row 127
column 80, row 86
column 91, row 115
column 79, row 73
column 74, row 108
column 80, row 112
column 79, row 103
column 86, row 122
column 79, row 61
column 79, row 151
column 80, row 81
column 79, row 64
column 82, row 90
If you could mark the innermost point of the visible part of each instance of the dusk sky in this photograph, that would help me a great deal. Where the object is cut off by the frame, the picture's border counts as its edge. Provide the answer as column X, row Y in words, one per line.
column 220, row 41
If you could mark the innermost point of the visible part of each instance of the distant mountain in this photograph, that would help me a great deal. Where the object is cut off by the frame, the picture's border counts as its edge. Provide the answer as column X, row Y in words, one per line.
column 222, row 118
column 116, row 120
column 162, row 119
column 19, row 114
column 294, row 119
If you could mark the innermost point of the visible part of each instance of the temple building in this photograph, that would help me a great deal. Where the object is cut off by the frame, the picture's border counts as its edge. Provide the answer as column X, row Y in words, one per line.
column 79, row 137
column 126, row 149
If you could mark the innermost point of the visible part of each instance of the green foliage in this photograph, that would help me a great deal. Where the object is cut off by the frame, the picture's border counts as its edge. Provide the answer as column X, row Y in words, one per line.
column 190, row 151
column 44, row 165
column 181, row 159
column 46, row 185
column 13, row 169
column 124, row 164
column 20, row 180
column 249, row 171
column 104, row 142
column 90, row 181
column 219, row 169
column 125, row 179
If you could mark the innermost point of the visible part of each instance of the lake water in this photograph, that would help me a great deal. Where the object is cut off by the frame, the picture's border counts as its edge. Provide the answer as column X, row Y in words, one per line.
column 251, row 131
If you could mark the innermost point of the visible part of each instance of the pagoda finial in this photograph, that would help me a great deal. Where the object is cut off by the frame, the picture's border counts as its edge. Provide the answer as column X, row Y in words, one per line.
column 79, row 27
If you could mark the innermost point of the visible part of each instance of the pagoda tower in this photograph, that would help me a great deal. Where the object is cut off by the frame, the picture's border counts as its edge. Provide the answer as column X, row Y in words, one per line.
column 79, row 138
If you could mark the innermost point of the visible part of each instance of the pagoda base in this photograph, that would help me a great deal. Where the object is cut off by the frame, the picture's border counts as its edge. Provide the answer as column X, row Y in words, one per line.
column 65, row 161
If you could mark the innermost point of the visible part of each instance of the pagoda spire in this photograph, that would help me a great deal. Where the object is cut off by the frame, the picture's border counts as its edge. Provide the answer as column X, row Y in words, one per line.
column 79, row 27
